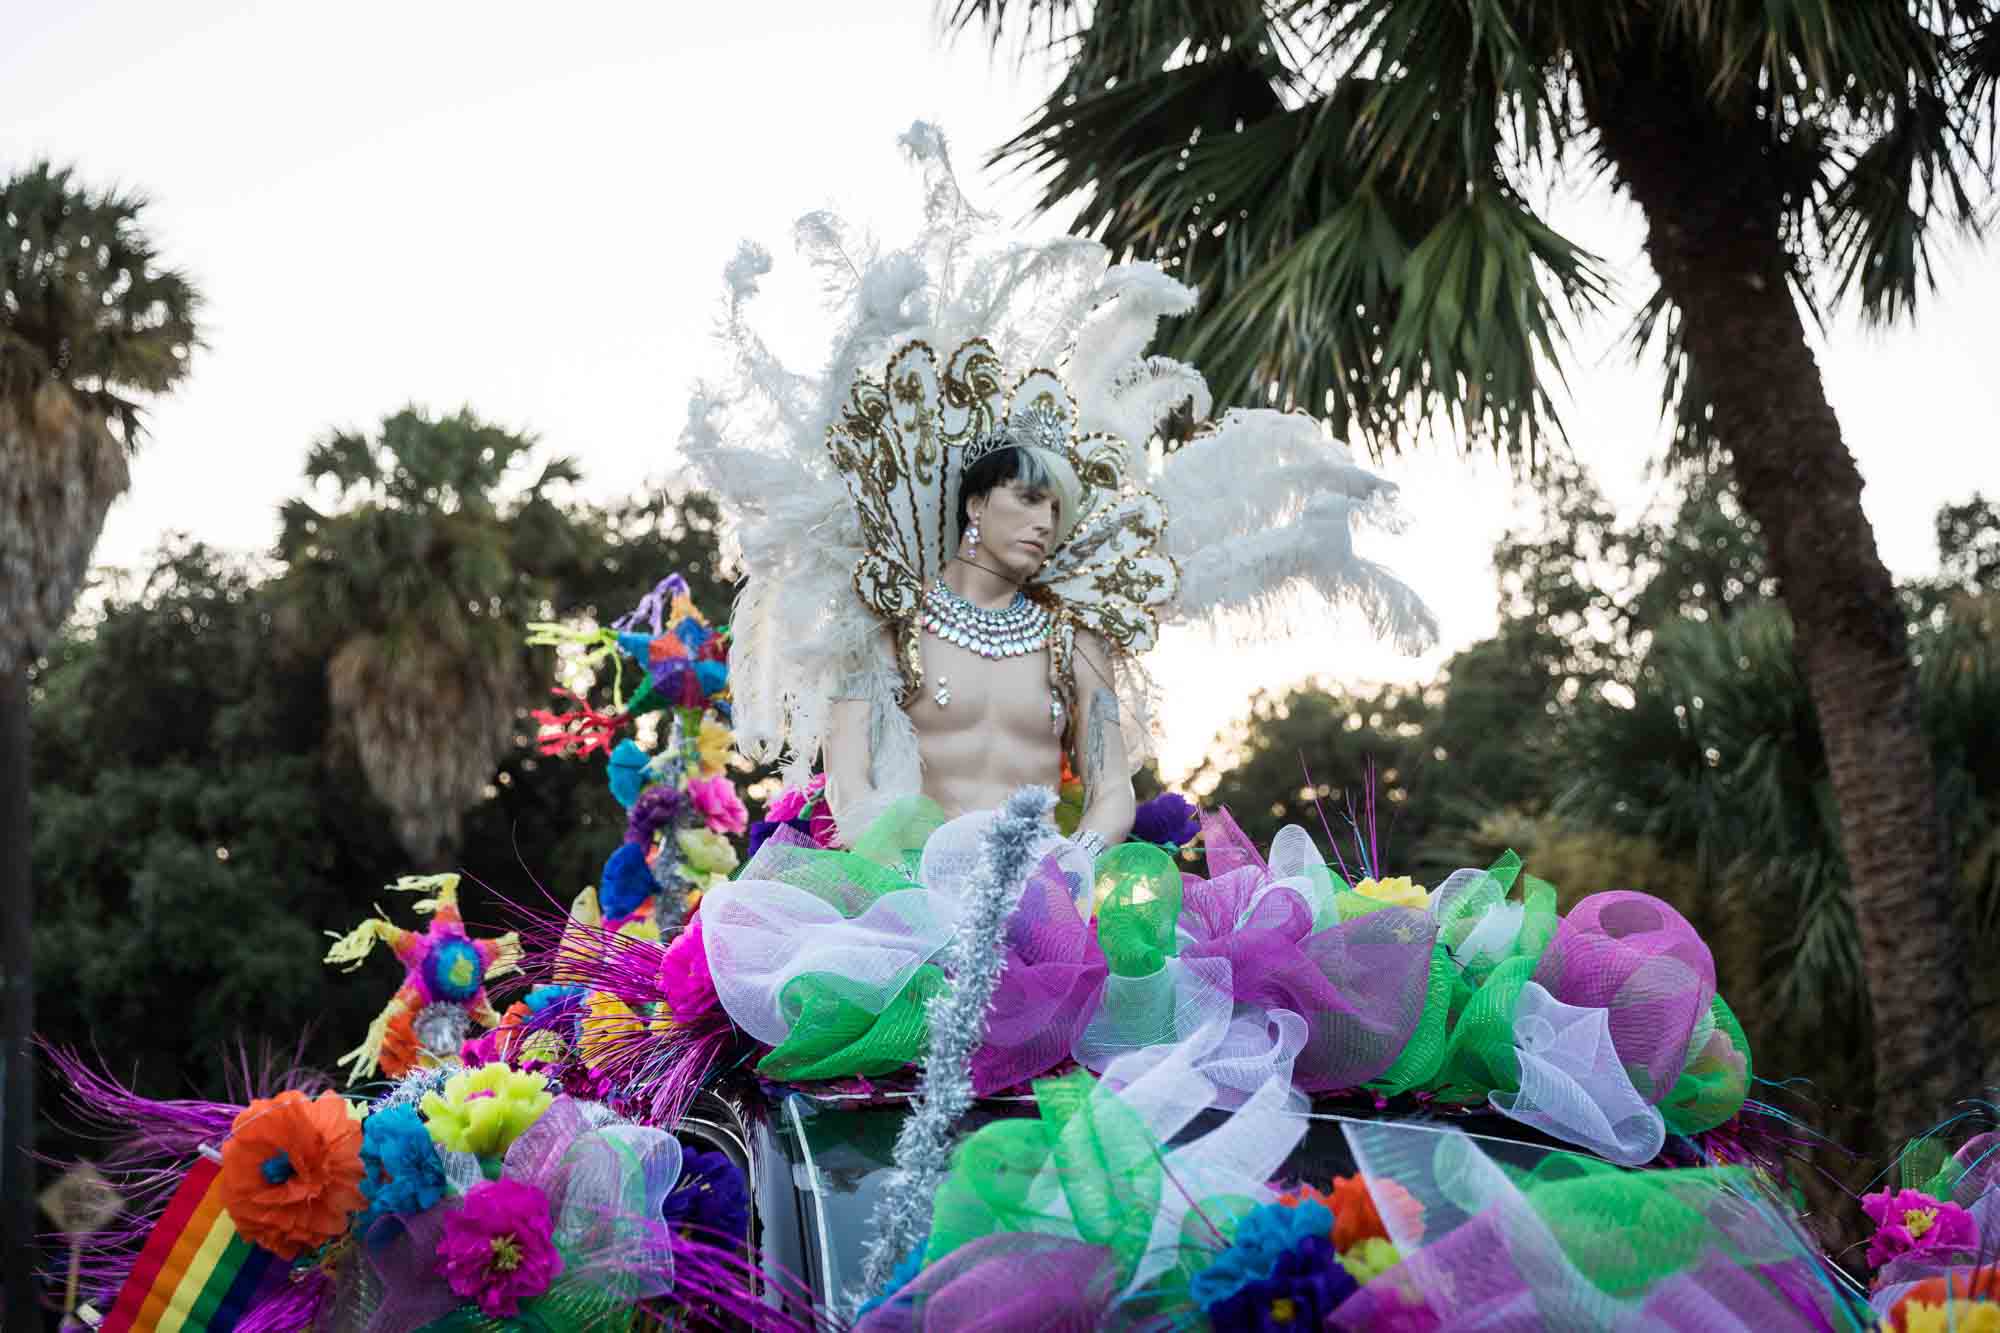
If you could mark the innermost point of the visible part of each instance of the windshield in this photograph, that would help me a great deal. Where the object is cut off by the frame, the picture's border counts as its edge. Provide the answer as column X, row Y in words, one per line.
column 843, row 1155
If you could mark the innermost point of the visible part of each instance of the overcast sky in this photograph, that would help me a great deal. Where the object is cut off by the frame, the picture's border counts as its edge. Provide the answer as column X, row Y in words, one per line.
column 527, row 210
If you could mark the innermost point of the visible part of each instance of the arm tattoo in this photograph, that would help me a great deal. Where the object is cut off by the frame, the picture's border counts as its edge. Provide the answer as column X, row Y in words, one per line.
column 1103, row 717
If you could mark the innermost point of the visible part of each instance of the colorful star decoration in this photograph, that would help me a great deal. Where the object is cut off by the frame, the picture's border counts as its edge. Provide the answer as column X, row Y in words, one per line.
column 445, row 971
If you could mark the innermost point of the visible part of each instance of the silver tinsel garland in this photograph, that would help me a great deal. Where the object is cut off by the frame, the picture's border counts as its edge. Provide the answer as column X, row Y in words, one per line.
column 957, row 1017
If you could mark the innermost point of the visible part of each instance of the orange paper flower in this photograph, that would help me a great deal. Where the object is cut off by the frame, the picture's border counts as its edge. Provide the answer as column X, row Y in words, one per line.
column 400, row 1050
column 1953, row 1291
column 1353, row 1207
column 291, row 1171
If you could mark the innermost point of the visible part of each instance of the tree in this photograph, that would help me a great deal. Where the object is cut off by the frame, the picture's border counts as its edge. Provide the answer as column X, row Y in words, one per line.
column 414, row 595
column 91, row 323
column 190, row 772
column 1349, row 183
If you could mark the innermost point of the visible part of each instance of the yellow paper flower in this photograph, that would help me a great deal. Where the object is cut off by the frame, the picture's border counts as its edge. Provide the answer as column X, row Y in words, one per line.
column 712, row 744
column 1370, row 1258
column 1397, row 891
column 640, row 928
column 607, row 1023
column 1958, row 1317
column 484, row 1110
column 707, row 853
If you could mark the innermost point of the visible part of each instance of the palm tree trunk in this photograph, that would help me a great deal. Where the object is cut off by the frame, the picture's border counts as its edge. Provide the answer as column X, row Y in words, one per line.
column 17, row 1006
column 1705, row 182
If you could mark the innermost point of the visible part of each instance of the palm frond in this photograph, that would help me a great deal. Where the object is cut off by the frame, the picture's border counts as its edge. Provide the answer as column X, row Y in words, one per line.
column 85, row 301
column 1879, row 219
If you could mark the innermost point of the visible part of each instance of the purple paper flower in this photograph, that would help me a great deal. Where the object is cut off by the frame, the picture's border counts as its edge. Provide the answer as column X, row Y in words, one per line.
column 1303, row 1289
column 710, row 1199
column 496, row 1249
column 656, row 807
column 1911, row 1221
column 762, row 829
column 1169, row 819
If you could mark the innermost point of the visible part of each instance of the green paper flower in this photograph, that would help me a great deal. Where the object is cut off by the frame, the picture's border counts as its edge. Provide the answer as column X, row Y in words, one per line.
column 484, row 1110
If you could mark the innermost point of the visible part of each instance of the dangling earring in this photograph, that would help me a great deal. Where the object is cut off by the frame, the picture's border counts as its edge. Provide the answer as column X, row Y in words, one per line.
column 972, row 535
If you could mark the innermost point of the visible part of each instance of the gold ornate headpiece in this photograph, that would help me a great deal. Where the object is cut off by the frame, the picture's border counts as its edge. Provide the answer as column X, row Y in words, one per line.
column 902, row 445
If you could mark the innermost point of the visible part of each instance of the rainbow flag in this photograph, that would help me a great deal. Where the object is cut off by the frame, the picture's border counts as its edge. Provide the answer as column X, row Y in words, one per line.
column 195, row 1274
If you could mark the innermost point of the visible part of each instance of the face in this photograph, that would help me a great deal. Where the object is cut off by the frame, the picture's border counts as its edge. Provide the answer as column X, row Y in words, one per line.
column 1017, row 527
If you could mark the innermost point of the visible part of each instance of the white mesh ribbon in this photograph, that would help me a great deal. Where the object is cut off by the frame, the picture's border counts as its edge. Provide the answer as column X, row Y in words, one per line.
column 1573, row 1084
column 761, row 935
column 1519, row 1283
column 614, row 1181
column 1163, row 1008
column 1166, row 1088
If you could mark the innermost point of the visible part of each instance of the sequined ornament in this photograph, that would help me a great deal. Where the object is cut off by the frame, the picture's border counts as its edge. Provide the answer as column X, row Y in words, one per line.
column 1014, row 630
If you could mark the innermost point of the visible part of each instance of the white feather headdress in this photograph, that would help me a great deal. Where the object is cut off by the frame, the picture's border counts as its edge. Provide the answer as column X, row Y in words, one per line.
column 1263, row 504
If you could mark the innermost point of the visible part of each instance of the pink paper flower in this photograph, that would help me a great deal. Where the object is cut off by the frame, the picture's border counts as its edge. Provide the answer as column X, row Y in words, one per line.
column 1911, row 1221
column 786, row 805
column 496, row 1250
column 684, row 975
column 717, row 800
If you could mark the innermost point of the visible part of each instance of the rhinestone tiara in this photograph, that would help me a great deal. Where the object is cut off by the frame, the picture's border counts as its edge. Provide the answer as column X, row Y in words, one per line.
column 1039, row 427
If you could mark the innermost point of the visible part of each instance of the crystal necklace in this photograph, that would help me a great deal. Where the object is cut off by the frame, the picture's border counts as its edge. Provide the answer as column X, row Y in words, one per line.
column 1012, row 630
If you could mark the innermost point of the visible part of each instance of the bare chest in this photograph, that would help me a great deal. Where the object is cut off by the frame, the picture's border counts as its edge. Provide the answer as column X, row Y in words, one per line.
column 964, row 691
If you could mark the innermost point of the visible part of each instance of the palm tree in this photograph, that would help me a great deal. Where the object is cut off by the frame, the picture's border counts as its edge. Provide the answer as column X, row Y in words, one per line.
column 91, row 323
column 1350, row 184
column 415, row 592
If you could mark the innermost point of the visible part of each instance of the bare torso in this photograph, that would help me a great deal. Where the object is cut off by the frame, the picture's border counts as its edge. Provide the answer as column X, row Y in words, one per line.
column 994, row 735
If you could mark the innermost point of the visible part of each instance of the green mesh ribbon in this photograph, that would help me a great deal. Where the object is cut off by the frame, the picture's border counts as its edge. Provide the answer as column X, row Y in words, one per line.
column 1463, row 1048
column 1104, row 1184
column 1716, row 1078
column 1627, row 1230
column 833, row 1037
column 1424, row 1053
column 1138, row 895
column 896, row 838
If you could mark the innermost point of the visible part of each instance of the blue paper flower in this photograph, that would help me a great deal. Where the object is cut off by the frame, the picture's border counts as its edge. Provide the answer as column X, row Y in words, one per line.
column 401, row 1172
column 453, row 969
column 906, row 1273
column 714, row 676
column 1262, row 1238
column 710, row 1199
column 626, row 882
column 626, row 772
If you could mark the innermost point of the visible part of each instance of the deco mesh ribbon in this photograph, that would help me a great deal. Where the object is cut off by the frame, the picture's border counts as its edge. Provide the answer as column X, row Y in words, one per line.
column 1102, row 1202
column 605, row 1183
column 1577, row 1243
column 1602, row 1027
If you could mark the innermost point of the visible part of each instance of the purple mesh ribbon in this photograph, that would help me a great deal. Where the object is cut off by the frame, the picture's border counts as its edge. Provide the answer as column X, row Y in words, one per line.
column 1051, row 985
column 1635, row 956
column 1014, row 1280
column 1359, row 984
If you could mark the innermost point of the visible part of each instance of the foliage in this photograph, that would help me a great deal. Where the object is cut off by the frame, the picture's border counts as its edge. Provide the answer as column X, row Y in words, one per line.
column 412, row 592
column 188, row 776
column 1638, row 720
column 1351, row 183
column 85, row 301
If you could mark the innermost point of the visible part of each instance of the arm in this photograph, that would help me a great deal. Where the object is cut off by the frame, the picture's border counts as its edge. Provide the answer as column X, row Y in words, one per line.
column 847, row 785
column 1100, row 759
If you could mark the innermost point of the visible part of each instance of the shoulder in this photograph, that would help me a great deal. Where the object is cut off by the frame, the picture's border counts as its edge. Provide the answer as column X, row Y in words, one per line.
column 1092, row 645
